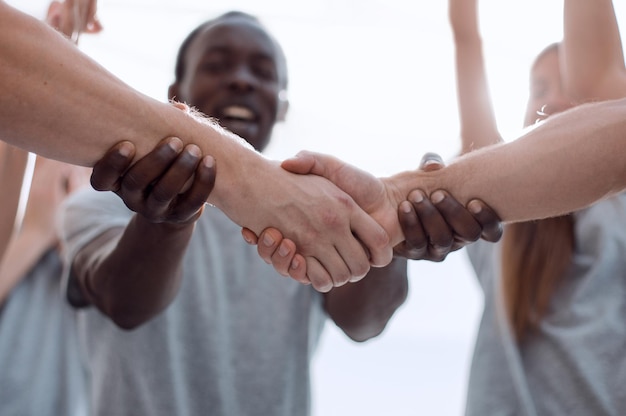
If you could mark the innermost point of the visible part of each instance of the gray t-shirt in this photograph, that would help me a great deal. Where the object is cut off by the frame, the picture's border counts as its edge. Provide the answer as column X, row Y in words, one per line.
column 40, row 369
column 576, row 363
column 237, row 339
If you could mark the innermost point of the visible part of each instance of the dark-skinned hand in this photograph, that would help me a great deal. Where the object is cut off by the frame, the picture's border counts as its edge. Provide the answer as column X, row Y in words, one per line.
column 169, row 184
column 436, row 226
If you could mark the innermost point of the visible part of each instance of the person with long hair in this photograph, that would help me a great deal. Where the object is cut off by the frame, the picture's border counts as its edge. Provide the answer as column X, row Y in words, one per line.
column 553, row 288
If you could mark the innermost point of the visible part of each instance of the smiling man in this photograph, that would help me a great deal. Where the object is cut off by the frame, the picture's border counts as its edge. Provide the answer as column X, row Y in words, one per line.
column 215, row 330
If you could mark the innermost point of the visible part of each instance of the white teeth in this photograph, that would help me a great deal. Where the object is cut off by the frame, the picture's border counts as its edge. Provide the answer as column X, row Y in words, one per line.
column 242, row 113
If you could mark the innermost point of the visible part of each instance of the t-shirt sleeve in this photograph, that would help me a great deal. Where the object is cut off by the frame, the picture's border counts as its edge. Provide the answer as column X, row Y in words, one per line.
column 84, row 216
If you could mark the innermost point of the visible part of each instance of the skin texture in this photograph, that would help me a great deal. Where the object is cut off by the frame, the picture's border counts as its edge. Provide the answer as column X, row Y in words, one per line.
column 543, row 173
column 132, row 280
column 592, row 51
column 12, row 167
column 102, row 111
column 131, row 274
column 52, row 181
column 431, row 231
column 553, row 168
column 73, row 17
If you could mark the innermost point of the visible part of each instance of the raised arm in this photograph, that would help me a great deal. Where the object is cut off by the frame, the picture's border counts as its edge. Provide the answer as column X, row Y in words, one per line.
column 476, row 115
column 593, row 59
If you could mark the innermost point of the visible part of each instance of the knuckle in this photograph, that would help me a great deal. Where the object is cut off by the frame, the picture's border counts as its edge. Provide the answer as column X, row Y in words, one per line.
column 341, row 278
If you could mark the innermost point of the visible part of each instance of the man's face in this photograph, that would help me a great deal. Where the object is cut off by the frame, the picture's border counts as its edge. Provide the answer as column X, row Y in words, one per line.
column 233, row 73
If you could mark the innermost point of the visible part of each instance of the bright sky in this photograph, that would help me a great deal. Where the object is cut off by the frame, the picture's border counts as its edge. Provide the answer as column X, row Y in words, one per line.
column 371, row 82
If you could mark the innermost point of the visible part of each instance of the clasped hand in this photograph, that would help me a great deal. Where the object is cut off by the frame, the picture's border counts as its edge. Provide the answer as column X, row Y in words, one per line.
column 421, row 227
column 170, row 184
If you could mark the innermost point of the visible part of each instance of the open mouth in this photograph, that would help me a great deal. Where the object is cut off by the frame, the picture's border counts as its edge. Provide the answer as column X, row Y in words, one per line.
column 241, row 120
column 237, row 113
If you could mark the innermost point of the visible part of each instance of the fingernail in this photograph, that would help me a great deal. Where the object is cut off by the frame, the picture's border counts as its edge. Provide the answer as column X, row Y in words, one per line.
column 417, row 197
column 175, row 144
column 405, row 207
column 437, row 197
column 283, row 251
column 474, row 207
column 295, row 264
column 194, row 150
column 125, row 149
column 267, row 240
column 208, row 161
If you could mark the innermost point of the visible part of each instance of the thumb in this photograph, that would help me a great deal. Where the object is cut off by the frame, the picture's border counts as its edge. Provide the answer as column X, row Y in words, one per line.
column 431, row 162
column 302, row 163
column 319, row 164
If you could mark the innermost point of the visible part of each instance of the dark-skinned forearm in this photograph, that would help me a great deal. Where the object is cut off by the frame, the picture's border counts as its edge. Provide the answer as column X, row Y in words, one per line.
column 363, row 309
column 141, row 274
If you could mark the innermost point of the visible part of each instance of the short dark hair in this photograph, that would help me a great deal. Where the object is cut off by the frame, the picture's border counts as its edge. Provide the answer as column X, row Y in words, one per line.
column 179, row 69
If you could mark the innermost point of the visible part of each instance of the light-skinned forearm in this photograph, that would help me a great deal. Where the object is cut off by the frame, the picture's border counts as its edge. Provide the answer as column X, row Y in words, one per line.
column 24, row 250
column 132, row 275
column 568, row 162
column 363, row 309
column 81, row 110
column 12, row 167
column 61, row 104
column 593, row 59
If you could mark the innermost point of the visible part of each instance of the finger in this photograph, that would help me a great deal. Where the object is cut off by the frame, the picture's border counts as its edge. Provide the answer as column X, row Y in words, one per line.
column 281, row 253
column 431, row 161
column 249, row 236
column 171, row 184
column 319, row 164
column 488, row 219
column 318, row 276
column 463, row 224
column 283, row 256
column 147, row 170
column 181, row 106
column 438, row 232
column 352, row 265
column 415, row 245
column 269, row 240
column 298, row 270
column 110, row 168
column 375, row 239
column 53, row 15
column 201, row 187
column 93, row 24
column 302, row 163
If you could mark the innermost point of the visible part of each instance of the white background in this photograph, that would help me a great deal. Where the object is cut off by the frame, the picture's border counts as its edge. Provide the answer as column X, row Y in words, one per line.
column 371, row 82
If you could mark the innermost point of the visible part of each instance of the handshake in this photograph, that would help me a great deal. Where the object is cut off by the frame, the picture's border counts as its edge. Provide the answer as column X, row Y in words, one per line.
column 335, row 221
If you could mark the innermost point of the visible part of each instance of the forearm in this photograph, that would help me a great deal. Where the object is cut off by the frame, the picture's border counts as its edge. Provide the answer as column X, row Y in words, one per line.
column 476, row 115
column 593, row 67
column 59, row 103
column 12, row 167
column 570, row 161
column 83, row 110
column 22, row 253
column 363, row 309
column 135, row 277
